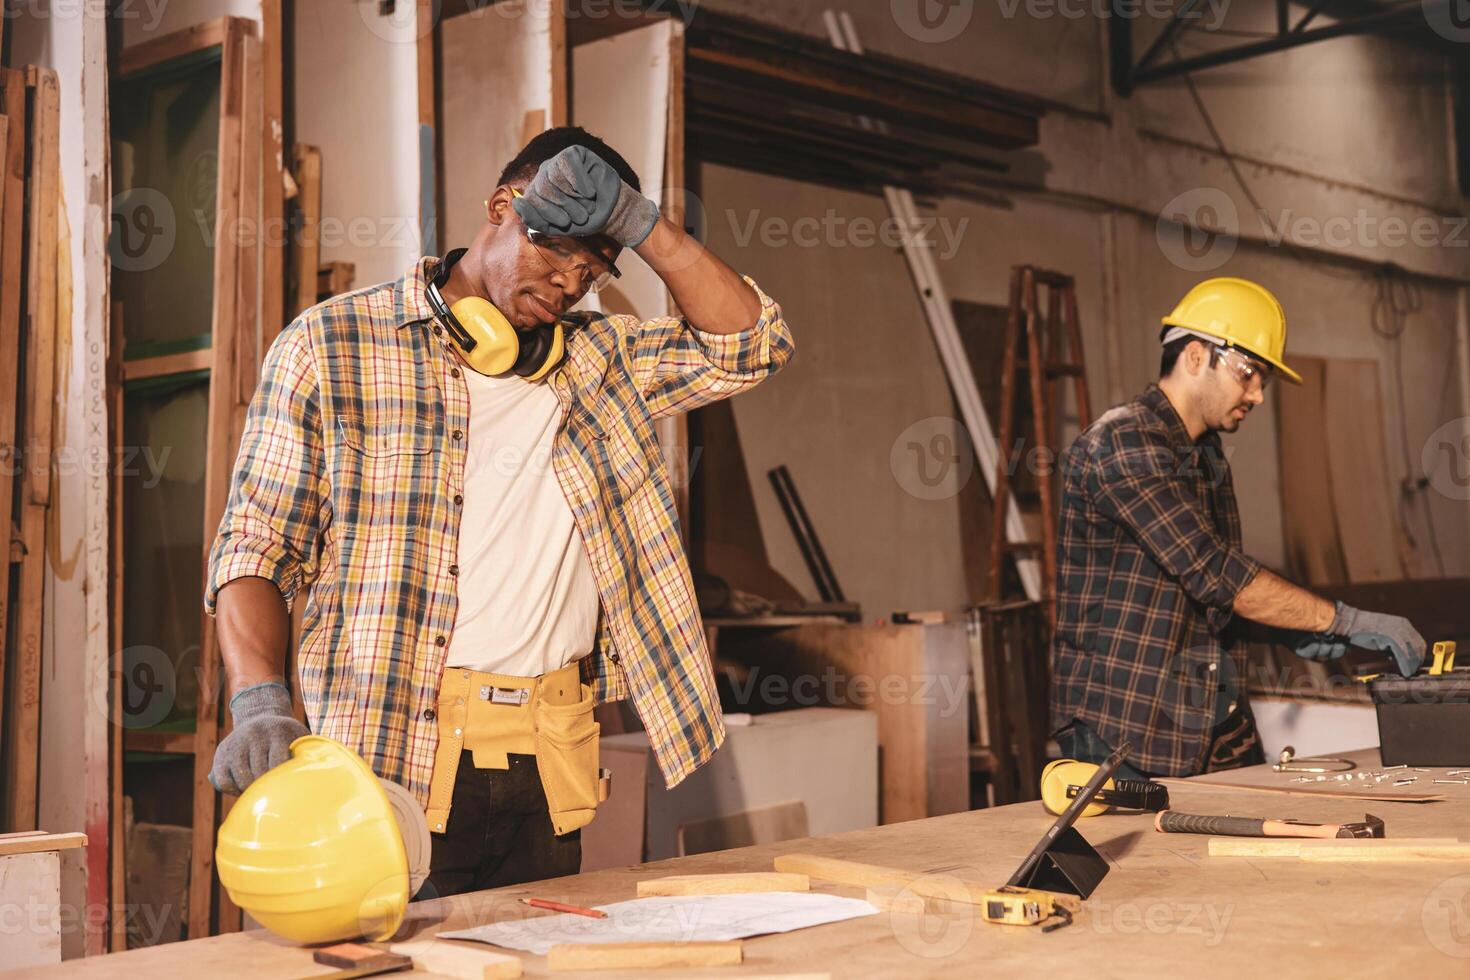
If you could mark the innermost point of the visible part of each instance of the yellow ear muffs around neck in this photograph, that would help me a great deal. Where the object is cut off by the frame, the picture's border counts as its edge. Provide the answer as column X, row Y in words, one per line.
column 485, row 338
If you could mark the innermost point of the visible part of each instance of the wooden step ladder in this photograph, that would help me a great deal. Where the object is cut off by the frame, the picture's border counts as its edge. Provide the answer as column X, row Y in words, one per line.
column 1053, row 351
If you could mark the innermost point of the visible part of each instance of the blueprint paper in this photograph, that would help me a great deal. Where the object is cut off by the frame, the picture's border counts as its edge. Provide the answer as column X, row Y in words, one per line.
column 681, row 919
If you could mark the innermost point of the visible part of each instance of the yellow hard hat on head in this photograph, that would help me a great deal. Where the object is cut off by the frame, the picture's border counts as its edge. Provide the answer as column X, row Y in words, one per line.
column 313, row 851
column 1242, row 314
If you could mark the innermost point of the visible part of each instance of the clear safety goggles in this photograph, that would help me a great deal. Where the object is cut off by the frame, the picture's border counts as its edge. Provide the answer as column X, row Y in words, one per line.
column 1244, row 368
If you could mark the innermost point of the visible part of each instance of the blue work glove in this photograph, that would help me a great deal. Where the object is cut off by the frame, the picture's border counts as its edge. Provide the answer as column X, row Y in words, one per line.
column 1380, row 631
column 1319, row 646
column 577, row 193
column 261, row 739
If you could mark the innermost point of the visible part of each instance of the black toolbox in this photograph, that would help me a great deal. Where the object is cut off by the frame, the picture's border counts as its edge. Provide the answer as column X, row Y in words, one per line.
column 1423, row 720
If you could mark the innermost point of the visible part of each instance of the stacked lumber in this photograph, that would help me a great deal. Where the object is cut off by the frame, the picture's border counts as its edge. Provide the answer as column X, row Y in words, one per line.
column 30, row 264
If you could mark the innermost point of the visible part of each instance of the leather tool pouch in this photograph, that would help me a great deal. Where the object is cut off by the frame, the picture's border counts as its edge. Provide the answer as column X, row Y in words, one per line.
column 567, row 755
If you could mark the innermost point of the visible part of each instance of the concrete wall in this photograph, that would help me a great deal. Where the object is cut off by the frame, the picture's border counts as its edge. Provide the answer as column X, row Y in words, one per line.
column 1336, row 141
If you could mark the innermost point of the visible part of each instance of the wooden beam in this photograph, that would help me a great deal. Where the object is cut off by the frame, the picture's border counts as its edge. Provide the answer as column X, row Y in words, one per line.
column 118, row 897
column 925, row 884
column 12, row 248
column 217, row 466
column 273, row 179
column 308, row 250
column 166, row 364
column 31, row 843
column 200, row 37
column 643, row 956
column 724, row 884
column 39, row 386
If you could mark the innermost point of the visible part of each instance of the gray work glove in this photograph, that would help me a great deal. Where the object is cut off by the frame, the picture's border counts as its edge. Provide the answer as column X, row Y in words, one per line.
column 1380, row 631
column 1319, row 646
column 261, row 739
column 577, row 193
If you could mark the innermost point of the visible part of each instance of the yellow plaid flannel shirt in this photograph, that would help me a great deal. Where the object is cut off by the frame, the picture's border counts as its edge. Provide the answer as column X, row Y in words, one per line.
column 349, row 481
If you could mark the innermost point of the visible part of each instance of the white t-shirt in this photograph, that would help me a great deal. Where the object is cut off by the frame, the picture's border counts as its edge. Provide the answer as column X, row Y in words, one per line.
column 527, row 599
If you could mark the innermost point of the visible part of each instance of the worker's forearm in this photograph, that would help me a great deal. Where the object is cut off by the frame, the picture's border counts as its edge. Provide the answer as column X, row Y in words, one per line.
column 254, row 629
column 710, row 294
column 1272, row 600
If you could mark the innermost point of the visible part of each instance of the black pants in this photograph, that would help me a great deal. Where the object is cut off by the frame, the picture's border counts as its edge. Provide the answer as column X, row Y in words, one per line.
column 499, row 832
column 1233, row 743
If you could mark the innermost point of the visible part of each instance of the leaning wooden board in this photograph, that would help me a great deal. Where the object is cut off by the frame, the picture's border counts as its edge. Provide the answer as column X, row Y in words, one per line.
column 1165, row 908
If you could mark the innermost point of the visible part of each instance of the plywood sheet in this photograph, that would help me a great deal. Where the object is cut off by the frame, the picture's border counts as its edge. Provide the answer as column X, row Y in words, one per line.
column 495, row 64
column 1360, row 474
column 629, row 110
column 1309, row 519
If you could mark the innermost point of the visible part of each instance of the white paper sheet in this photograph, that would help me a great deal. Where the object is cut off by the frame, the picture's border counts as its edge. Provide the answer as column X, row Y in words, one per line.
column 696, row 918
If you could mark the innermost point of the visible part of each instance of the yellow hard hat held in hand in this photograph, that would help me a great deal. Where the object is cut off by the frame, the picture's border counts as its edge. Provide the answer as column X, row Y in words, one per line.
column 1238, row 313
column 314, row 849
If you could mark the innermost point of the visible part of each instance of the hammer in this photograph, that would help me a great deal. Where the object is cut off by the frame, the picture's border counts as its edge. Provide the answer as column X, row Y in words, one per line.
column 1172, row 822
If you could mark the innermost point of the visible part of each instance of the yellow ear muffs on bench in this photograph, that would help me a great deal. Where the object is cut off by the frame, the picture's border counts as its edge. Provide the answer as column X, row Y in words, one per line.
column 1062, row 779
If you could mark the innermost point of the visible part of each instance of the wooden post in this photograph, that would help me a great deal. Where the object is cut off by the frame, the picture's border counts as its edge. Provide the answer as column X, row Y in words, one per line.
column 308, row 250
column 12, row 245
column 116, row 731
column 24, row 725
column 218, row 457
column 273, row 183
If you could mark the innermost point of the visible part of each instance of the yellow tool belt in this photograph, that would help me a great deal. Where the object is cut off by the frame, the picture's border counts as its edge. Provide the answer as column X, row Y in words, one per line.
column 497, row 715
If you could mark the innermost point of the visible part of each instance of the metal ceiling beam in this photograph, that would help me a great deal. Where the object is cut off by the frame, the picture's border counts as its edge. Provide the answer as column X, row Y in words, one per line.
column 1127, row 75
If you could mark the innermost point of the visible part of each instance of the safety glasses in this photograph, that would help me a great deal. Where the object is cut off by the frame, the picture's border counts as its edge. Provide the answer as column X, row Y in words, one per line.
column 561, row 257
column 1245, row 369
column 591, row 276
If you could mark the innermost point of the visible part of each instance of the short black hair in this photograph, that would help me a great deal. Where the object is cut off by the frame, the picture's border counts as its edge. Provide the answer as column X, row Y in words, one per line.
column 1171, row 353
column 548, row 144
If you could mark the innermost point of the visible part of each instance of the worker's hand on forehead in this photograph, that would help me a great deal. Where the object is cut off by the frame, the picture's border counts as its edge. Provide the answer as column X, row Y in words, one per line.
column 1380, row 631
column 578, row 193
column 261, row 739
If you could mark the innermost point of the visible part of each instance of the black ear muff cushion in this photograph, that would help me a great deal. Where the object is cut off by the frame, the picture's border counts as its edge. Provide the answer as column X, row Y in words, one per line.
column 535, row 347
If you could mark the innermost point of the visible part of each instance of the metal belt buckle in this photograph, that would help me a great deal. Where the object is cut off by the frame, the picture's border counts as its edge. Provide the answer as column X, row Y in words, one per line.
column 504, row 695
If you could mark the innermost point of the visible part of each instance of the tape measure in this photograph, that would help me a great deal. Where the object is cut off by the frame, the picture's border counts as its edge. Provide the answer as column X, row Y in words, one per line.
column 1013, row 906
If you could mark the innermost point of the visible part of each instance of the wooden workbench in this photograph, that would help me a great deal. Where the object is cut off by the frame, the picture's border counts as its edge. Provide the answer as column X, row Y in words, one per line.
column 1165, row 908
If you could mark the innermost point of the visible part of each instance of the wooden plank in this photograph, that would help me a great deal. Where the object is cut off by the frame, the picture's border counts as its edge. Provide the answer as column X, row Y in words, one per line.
column 1358, row 463
column 31, row 843
column 12, row 246
column 466, row 962
column 1432, row 849
column 924, row 740
column 1308, row 516
column 729, row 884
column 308, row 250
column 23, row 727
column 643, row 956
column 556, row 17
column 118, row 897
column 166, row 364
column 200, row 37
column 939, row 885
column 673, row 432
column 273, row 179
column 218, row 459
column 247, row 242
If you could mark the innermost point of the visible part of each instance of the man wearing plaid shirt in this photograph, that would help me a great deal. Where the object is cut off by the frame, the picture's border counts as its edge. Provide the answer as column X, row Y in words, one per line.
column 1150, row 571
column 487, row 556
